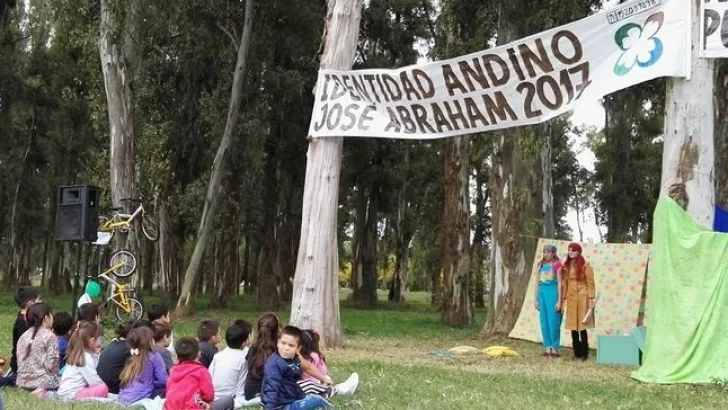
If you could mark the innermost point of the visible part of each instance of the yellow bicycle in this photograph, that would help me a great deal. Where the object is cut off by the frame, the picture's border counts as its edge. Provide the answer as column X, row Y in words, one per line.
column 122, row 222
column 127, row 306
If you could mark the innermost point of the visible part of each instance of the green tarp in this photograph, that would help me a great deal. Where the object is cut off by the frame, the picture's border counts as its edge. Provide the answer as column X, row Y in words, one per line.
column 687, row 301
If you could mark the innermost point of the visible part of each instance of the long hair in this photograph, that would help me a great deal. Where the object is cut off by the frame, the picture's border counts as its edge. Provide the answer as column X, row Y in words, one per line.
column 310, row 342
column 35, row 316
column 140, row 342
column 266, row 342
column 80, row 342
column 579, row 262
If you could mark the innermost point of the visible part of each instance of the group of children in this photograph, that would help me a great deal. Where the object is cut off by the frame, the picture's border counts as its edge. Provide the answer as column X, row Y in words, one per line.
column 55, row 357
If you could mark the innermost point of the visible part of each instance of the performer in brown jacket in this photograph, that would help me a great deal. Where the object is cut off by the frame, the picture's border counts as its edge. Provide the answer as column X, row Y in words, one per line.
column 578, row 297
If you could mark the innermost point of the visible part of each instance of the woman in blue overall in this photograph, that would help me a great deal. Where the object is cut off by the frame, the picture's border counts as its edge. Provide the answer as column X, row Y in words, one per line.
column 547, row 300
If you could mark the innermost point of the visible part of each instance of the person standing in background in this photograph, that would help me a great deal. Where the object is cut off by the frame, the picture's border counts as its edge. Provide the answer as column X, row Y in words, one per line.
column 578, row 294
column 547, row 300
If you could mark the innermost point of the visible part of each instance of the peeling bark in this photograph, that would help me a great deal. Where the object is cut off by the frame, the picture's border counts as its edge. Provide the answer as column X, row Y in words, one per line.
column 721, row 133
column 516, row 201
column 549, row 222
column 117, row 52
column 456, row 309
column 688, row 154
column 315, row 302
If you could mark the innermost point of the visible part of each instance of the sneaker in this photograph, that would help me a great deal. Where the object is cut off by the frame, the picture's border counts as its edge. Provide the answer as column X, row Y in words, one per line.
column 546, row 353
column 349, row 386
column 330, row 392
column 555, row 354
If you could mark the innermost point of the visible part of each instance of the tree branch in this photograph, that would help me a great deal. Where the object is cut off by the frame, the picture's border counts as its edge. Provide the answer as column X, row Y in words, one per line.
column 232, row 38
column 17, row 40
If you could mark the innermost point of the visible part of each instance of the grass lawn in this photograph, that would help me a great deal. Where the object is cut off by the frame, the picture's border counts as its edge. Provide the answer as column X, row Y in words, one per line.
column 390, row 349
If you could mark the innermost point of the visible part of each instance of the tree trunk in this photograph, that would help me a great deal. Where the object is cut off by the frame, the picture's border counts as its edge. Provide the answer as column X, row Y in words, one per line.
column 721, row 133
column 267, row 274
column 516, row 202
column 357, row 265
column 246, row 263
column 4, row 14
column 227, row 261
column 478, row 250
column 516, row 211
column 44, row 261
column 549, row 222
column 68, row 260
column 185, row 304
column 117, row 53
column 434, row 258
column 368, row 253
column 24, row 278
column 15, row 249
column 315, row 302
column 399, row 286
column 168, row 260
column 456, row 309
column 287, row 256
column 477, row 266
column 148, row 267
column 688, row 159
column 579, row 216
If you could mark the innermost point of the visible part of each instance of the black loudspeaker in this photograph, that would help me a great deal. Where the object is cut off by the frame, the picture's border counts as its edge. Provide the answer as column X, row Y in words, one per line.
column 77, row 213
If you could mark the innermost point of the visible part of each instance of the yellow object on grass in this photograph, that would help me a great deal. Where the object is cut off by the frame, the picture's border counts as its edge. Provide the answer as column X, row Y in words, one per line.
column 464, row 351
column 500, row 351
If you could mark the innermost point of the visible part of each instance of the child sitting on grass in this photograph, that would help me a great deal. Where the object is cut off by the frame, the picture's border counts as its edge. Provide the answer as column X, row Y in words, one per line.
column 190, row 385
column 62, row 325
column 311, row 351
column 266, row 343
column 281, row 373
column 89, row 312
column 80, row 379
column 24, row 297
column 144, row 375
column 162, row 336
column 229, row 368
column 38, row 352
column 159, row 315
column 113, row 358
column 208, row 336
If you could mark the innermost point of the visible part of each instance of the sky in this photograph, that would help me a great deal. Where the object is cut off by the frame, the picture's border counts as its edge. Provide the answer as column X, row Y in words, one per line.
column 590, row 113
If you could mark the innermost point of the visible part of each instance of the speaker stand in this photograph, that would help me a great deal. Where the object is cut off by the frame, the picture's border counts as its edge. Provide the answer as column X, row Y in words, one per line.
column 74, row 292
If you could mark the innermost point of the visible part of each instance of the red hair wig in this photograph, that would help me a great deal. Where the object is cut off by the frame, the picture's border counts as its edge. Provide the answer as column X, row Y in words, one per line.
column 579, row 260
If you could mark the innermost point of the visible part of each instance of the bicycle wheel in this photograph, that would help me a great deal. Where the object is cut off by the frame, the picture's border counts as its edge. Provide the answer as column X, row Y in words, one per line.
column 136, row 310
column 150, row 228
column 126, row 262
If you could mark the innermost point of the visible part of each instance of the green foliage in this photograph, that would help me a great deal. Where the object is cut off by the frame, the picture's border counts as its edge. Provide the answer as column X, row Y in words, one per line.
column 629, row 158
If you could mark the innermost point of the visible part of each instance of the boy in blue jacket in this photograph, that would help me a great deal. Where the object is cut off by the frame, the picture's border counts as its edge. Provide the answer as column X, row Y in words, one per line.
column 280, row 390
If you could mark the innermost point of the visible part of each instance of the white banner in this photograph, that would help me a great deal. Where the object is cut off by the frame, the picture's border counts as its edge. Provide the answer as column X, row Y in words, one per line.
column 525, row 82
column 714, row 28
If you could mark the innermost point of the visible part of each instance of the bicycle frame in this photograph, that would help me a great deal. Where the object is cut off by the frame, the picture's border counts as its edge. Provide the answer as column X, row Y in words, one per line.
column 120, row 220
column 118, row 291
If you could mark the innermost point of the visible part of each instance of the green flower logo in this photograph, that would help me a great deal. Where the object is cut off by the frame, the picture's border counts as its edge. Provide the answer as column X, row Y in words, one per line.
column 639, row 44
